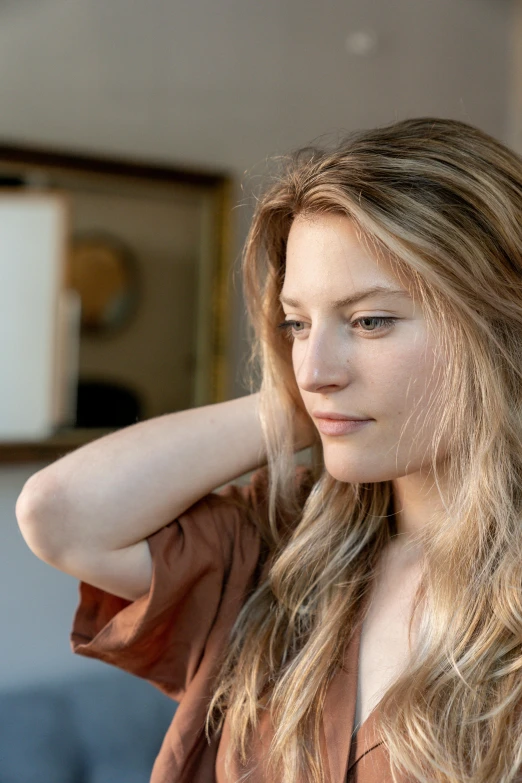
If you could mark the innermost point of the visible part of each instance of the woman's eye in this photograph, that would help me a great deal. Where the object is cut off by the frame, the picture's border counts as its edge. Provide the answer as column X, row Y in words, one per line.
column 385, row 321
column 292, row 328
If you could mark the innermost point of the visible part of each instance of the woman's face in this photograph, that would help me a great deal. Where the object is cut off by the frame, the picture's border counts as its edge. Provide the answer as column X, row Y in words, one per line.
column 379, row 370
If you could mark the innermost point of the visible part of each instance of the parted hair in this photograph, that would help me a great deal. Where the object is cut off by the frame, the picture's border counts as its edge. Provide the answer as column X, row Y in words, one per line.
column 444, row 200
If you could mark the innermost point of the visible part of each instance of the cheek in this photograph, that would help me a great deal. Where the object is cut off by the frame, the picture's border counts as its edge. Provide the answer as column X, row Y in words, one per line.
column 392, row 373
column 400, row 380
column 409, row 383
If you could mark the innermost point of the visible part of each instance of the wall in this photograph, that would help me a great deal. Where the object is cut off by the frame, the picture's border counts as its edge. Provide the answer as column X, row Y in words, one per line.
column 224, row 85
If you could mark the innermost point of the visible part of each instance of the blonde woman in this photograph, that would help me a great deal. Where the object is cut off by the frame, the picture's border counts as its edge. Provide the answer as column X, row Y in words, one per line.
column 358, row 618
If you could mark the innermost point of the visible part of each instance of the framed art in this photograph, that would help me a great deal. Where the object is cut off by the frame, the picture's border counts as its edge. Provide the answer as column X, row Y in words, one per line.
column 148, row 257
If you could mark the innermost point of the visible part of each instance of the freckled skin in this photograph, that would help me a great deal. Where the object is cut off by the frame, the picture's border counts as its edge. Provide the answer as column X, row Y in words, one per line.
column 386, row 374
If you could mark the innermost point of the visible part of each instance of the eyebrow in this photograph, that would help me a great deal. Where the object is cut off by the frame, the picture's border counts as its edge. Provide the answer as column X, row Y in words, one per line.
column 353, row 298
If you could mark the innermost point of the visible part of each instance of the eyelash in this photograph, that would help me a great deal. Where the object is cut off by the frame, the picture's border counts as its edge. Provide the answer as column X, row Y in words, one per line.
column 287, row 326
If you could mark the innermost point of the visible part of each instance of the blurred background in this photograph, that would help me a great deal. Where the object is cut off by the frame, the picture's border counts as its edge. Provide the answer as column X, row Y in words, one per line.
column 144, row 129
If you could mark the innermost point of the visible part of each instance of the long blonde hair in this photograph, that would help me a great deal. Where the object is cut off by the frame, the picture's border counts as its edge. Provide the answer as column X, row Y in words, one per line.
column 445, row 200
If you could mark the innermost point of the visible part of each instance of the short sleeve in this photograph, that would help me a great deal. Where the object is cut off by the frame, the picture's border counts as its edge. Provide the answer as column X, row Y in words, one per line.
column 203, row 564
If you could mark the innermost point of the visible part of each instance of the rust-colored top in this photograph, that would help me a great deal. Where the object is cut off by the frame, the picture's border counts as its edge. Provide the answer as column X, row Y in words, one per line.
column 203, row 563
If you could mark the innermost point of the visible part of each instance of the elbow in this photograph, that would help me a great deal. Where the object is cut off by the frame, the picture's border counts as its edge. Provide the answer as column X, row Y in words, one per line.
column 38, row 521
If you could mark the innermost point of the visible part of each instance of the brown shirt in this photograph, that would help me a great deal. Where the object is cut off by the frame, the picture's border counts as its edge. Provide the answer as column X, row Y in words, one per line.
column 204, row 562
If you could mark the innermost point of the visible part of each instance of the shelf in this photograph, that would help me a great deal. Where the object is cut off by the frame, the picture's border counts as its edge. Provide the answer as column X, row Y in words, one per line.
column 51, row 448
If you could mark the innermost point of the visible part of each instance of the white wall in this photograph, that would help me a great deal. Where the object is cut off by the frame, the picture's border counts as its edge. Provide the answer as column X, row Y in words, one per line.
column 228, row 83
column 220, row 84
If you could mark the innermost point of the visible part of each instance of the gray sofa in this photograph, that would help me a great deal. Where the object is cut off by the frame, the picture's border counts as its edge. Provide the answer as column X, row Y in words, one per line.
column 99, row 728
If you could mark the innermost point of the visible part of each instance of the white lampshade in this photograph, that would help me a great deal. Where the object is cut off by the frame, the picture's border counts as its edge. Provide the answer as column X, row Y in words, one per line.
column 37, row 317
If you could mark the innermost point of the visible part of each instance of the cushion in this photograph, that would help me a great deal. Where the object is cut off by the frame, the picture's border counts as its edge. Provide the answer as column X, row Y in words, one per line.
column 120, row 721
column 37, row 738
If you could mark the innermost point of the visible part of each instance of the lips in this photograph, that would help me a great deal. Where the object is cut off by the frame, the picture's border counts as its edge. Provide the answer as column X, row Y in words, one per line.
column 340, row 426
column 338, row 416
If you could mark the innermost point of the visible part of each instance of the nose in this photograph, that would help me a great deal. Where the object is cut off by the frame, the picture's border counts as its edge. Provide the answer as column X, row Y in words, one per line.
column 320, row 363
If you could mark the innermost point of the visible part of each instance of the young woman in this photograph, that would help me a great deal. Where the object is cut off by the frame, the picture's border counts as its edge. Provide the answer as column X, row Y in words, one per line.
column 359, row 618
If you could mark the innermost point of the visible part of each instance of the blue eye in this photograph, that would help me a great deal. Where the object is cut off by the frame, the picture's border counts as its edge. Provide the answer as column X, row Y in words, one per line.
column 290, row 328
column 385, row 321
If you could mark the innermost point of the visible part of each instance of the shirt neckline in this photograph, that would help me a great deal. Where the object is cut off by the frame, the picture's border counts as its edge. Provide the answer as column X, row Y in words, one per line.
column 365, row 738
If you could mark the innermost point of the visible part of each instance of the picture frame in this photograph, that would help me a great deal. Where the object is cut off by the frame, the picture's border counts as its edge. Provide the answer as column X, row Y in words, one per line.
column 149, row 253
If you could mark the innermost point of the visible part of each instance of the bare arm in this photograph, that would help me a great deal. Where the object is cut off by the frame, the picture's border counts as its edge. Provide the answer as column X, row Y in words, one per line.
column 89, row 512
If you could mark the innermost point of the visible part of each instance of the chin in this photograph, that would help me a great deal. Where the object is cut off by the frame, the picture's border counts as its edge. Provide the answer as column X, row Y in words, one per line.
column 346, row 471
column 342, row 471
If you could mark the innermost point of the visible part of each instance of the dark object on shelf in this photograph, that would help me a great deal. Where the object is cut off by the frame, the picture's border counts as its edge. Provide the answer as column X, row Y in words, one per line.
column 12, row 181
column 104, row 404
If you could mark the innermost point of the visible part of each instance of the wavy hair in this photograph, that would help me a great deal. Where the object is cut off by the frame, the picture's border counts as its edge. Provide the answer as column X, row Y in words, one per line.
column 444, row 199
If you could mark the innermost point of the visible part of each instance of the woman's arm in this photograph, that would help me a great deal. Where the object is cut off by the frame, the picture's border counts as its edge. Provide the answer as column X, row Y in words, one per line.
column 89, row 512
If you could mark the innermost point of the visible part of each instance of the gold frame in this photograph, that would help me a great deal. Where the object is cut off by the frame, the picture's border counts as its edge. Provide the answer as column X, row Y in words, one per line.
column 211, row 381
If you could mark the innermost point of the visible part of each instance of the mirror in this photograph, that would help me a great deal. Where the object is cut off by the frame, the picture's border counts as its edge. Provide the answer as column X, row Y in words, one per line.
column 147, row 256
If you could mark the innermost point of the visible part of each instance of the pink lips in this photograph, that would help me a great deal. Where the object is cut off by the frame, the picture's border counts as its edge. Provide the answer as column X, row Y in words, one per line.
column 336, row 424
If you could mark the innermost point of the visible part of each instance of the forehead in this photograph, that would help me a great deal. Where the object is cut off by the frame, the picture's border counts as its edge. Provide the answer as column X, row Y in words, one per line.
column 328, row 255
